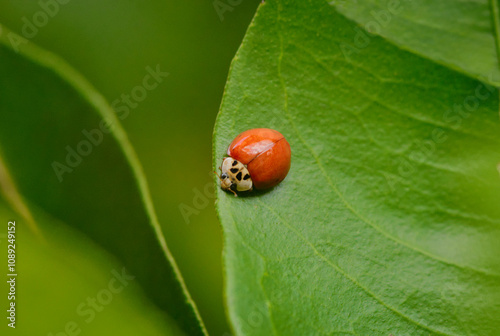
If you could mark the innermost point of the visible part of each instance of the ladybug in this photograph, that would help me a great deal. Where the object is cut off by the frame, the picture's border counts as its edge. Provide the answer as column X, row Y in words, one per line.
column 257, row 158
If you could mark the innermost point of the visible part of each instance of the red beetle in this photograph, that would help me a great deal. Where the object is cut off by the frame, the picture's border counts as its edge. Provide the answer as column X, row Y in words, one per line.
column 259, row 158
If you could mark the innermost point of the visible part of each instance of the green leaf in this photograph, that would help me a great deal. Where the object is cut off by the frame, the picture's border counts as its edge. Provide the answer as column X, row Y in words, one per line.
column 462, row 35
column 80, row 287
column 388, row 222
column 63, row 160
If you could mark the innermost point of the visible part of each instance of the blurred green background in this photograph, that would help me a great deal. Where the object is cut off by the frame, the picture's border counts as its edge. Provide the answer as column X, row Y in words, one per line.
column 111, row 43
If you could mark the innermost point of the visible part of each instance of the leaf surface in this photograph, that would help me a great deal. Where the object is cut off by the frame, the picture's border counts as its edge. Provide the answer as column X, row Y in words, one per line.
column 461, row 35
column 388, row 222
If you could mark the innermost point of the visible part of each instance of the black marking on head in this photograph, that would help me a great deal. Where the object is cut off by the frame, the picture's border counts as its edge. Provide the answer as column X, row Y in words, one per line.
column 239, row 176
column 235, row 163
column 223, row 175
column 247, row 176
column 234, row 170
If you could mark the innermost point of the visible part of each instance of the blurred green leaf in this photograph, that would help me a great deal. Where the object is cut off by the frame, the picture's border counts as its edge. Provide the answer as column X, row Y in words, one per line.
column 69, row 285
column 388, row 222
column 55, row 143
column 169, row 129
column 457, row 34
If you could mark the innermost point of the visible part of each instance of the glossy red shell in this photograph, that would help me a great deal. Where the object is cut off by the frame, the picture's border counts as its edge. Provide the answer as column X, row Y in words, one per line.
column 266, row 153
